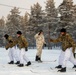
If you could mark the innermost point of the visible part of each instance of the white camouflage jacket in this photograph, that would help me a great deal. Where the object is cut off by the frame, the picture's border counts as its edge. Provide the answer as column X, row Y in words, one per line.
column 39, row 39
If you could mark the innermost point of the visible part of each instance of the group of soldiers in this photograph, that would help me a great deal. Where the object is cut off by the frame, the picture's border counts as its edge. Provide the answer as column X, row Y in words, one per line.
column 17, row 49
column 68, row 49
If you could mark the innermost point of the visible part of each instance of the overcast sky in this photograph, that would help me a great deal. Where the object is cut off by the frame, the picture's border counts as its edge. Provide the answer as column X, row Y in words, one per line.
column 4, row 11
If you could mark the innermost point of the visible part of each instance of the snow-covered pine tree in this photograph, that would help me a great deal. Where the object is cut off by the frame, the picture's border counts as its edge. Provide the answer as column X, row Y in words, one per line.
column 35, row 21
column 51, row 18
column 73, row 26
column 66, row 10
column 25, row 21
column 14, row 22
column 2, row 31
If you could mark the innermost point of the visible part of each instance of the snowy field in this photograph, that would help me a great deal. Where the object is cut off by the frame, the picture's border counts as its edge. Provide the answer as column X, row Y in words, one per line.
column 47, row 67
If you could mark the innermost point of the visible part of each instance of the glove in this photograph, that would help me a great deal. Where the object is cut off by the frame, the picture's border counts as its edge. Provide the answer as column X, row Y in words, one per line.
column 10, row 41
column 74, row 54
column 6, row 48
column 26, row 49
column 17, row 45
column 39, row 33
column 45, row 45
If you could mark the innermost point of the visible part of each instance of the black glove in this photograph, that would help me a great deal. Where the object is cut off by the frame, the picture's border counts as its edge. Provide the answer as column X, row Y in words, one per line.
column 10, row 41
column 74, row 54
column 45, row 45
column 39, row 33
column 26, row 49
column 17, row 45
column 6, row 48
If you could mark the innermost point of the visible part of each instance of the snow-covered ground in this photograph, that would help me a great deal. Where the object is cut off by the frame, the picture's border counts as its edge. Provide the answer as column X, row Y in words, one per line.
column 47, row 67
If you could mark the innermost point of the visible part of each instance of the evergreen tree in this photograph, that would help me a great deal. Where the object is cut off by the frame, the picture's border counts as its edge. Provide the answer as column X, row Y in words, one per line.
column 25, row 21
column 51, row 18
column 66, row 11
column 51, row 15
column 2, row 31
column 14, row 22
column 34, row 22
column 50, row 8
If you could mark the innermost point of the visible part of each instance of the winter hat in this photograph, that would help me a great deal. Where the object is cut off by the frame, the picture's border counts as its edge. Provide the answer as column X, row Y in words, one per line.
column 63, row 30
column 6, row 36
column 19, row 32
column 41, row 31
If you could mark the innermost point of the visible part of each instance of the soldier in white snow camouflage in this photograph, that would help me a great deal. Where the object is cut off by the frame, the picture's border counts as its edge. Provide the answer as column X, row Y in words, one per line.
column 40, row 41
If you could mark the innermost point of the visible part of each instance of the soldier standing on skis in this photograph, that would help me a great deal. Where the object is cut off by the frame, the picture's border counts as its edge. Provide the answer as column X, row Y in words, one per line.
column 12, row 50
column 40, row 41
column 68, row 48
column 22, row 44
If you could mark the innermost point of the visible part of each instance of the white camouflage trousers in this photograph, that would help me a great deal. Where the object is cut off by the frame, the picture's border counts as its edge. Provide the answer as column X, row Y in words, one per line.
column 23, row 56
column 39, row 50
column 13, row 54
column 66, row 56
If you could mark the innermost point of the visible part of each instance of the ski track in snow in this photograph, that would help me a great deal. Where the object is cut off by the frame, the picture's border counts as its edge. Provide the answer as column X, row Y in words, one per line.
column 47, row 67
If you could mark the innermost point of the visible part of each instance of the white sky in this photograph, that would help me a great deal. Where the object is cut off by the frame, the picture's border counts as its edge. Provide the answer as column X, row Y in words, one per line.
column 4, row 11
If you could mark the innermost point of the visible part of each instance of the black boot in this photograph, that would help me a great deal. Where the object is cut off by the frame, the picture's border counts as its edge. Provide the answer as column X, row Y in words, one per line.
column 20, row 65
column 18, row 62
column 62, row 70
column 59, row 66
column 74, row 66
column 11, row 62
column 37, row 58
column 29, row 63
